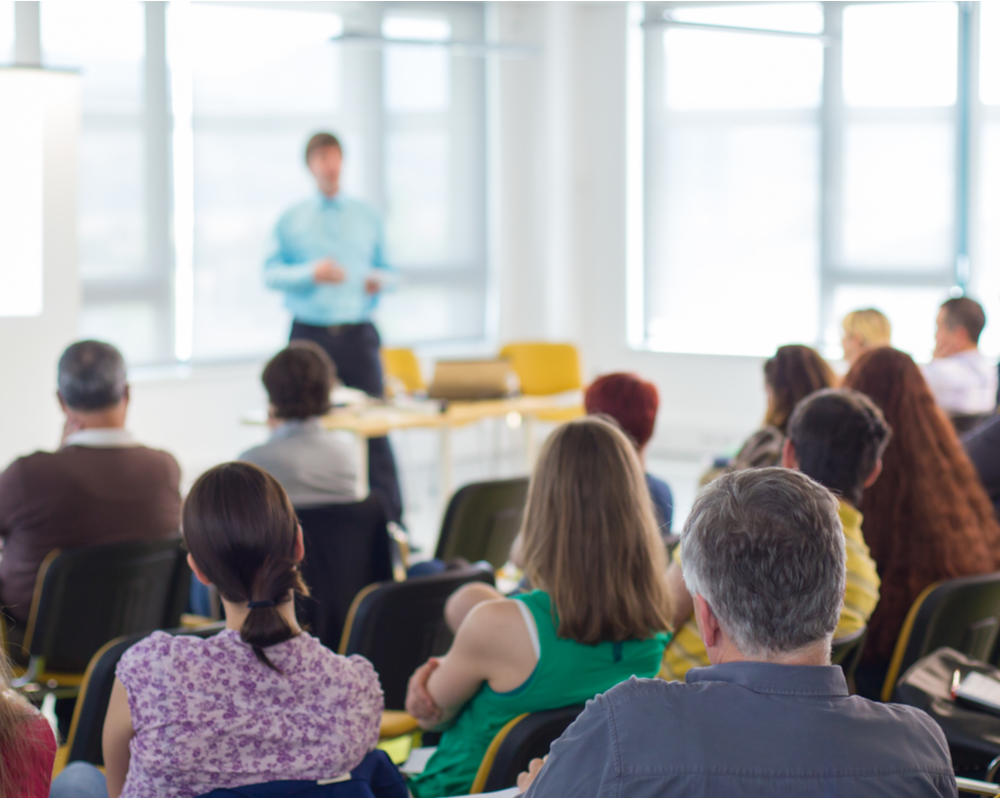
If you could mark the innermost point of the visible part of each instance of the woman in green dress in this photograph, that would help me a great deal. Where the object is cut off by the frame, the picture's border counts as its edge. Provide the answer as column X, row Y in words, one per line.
column 597, row 616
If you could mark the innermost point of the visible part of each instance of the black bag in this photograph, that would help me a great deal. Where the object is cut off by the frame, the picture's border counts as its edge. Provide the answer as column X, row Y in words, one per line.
column 973, row 736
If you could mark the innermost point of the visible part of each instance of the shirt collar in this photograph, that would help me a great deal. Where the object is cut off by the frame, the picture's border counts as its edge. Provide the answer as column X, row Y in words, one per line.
column 765, row 678
column 296, row 427
column 331, row 202
column 101, row 437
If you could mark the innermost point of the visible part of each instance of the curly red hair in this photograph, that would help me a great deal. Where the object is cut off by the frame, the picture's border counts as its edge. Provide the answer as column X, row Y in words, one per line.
column 628, row 400
column 927, row 518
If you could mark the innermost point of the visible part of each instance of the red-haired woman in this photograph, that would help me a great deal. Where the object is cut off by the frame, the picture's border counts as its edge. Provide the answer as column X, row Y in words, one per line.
column 927, row 517
column 632, row 403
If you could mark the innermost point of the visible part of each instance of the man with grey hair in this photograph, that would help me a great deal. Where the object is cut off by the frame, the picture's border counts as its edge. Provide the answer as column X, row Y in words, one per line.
column 101, row 486
column 764, row 561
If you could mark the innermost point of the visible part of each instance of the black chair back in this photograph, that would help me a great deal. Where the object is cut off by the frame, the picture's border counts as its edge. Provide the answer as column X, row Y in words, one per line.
column 962, row 613
column 846, row 652
column 528, row 738
column 399, row 625
column 482, row 521
column 84, row 740
column 347, row 548
column 85, row 597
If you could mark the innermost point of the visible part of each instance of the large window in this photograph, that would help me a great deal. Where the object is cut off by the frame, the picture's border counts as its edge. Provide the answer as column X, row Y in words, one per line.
column 804, row 159
column 195, row 118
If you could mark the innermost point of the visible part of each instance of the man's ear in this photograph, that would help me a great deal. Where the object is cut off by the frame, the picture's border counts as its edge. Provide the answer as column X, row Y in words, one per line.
column 874, row 474
column 300, row 546
column 708, row 623
column 62, row 403
column 197, row 571
column 788, row 459
column 127, row 394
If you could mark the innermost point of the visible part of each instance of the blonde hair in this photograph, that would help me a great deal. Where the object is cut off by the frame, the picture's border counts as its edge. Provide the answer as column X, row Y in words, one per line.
column 14, row 713
column 869, row 325
column 590, row 537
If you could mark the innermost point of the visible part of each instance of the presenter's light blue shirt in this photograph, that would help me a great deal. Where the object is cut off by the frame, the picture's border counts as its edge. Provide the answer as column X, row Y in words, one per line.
column 341, row 228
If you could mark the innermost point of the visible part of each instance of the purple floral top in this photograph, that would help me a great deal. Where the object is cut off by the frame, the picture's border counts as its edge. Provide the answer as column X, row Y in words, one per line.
column 207, row 714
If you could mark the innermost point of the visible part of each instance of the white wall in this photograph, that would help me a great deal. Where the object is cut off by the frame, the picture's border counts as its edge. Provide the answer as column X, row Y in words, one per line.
column 29, row 346
column 563, row 132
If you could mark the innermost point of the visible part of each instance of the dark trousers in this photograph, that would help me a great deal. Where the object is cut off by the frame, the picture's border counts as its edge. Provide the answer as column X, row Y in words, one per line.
column 354, row 350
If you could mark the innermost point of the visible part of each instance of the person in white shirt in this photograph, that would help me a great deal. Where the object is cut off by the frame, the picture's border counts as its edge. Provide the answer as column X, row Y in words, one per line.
column 961, row 378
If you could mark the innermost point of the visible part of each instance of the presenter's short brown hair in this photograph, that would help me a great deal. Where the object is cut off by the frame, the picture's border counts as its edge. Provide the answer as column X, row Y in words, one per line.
column 319, row 141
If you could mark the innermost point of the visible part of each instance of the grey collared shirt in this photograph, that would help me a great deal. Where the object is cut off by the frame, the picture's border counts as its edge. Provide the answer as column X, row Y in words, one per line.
column 746, row 729
column 315, row 466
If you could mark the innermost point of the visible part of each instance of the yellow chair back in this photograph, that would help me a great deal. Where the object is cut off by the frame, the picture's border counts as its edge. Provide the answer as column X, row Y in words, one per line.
column 544, row 367
column 400, row 364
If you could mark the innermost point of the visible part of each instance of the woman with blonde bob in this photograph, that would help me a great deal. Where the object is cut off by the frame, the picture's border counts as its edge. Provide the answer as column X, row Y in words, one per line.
column 598, row 614
column 864, row 330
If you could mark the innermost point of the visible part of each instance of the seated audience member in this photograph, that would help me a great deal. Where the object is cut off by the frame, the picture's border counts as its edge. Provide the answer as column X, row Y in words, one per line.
column 837, row 438
column 983, row 446
column 259, row 702
column 315, row 466
column 101, row 486
column 597, row 615
column 864, row 330
column 927, row 518
column 27, row 744
column 793, row 372
column 962, row 380
column 764, row 562
column 632, row 403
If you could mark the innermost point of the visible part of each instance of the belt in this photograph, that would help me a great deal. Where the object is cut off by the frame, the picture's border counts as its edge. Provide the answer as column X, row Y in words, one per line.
column 335, row 329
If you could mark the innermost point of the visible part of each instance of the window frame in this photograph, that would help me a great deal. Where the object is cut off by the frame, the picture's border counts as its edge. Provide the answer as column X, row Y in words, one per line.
column 166, row 286
column 833, row 118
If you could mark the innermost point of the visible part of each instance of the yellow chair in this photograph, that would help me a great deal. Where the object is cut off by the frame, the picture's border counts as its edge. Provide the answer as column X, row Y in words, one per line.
column 401, row 367
column 547, row 368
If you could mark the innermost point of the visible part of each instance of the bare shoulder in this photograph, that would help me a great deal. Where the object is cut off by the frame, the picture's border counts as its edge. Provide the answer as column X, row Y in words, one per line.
column 495, row 627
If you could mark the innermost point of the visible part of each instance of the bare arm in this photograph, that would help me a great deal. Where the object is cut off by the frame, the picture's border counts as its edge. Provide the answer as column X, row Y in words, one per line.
column 492, row 645
column 118, row 732
column 466, row 598
column 681, row 605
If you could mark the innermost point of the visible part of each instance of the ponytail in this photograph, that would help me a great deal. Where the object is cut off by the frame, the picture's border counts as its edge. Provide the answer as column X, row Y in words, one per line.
column 242, row 532
column 264, row 626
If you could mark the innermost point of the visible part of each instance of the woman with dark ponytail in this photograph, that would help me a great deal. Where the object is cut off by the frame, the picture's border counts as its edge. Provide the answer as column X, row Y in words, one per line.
column 262, row 700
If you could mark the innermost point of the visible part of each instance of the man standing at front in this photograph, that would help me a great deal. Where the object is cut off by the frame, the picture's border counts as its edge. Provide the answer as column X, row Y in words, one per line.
column 328, row 260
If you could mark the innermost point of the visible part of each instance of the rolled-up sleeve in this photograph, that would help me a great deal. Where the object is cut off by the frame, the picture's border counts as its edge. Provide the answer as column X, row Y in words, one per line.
column 282, row 273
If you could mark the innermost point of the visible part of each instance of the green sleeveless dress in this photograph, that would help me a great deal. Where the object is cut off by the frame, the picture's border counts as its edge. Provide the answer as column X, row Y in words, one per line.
column 567, row 673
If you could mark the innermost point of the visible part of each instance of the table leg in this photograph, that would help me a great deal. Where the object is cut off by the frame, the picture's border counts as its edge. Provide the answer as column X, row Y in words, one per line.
column 447, row 474
column 361, row 445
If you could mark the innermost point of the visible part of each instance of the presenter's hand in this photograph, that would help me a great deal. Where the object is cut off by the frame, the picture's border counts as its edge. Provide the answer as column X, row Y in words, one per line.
column 328, row 271
column 373, row 285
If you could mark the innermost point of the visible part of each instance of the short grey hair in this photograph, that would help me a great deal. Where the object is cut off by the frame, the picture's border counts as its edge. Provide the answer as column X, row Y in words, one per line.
column 91, row 375
column 765, row 549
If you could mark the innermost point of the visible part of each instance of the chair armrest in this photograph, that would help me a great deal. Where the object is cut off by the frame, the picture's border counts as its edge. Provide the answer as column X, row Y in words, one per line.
column 396, row 723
